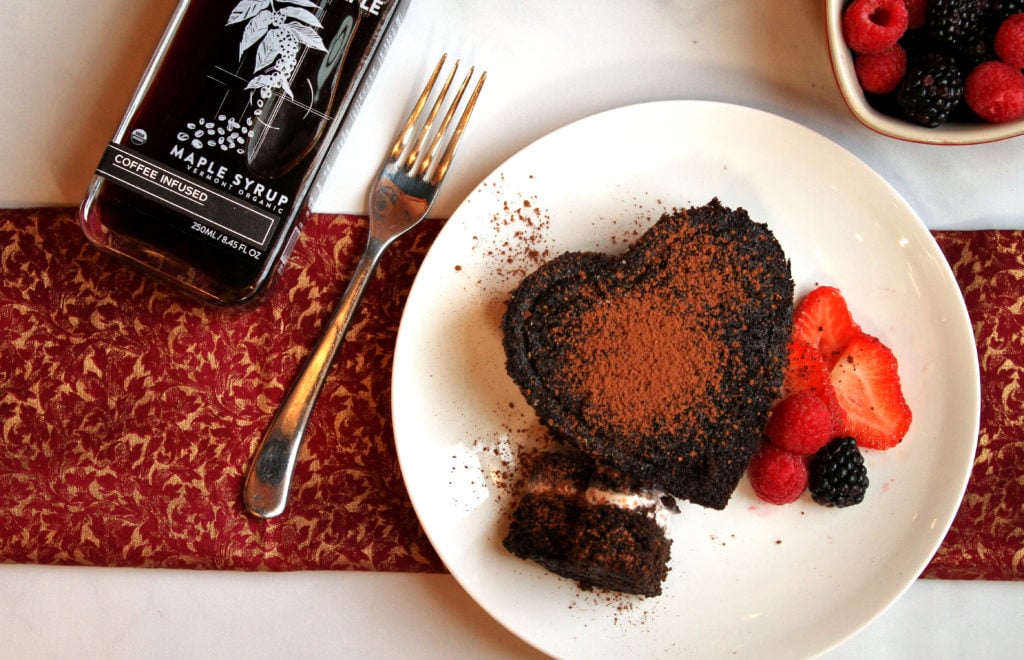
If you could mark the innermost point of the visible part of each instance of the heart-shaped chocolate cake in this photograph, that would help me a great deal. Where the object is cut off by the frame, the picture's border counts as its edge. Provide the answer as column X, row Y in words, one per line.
column 662, row 362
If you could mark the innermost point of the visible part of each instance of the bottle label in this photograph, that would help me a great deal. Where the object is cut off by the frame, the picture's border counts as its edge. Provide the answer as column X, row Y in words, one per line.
column 228, row 213
column 229, row 132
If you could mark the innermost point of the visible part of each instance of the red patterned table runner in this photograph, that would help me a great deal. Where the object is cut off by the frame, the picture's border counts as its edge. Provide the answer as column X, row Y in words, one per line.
column 92, row 352
column 129, row 413
column 986, row 540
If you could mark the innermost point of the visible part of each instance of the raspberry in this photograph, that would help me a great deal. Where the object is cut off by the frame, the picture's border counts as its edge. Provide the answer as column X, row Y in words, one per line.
column 881, row 73
column 929, row 94
column 916, row 11
column 995, row 91
column 870, row 26
column 1009, row 41
column 800, row 424
column 837, row 474
column 778, row 477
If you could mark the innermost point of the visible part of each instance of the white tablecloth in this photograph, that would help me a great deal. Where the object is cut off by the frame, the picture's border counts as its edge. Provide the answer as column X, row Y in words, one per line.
column 67, row 70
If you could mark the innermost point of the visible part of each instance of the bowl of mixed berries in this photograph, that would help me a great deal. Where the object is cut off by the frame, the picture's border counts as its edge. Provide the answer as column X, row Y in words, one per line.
column 931, row 71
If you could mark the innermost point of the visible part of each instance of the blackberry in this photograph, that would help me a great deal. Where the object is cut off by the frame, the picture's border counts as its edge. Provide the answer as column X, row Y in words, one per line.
column 1000, row 10
column 923, row 51
column 837, row 474
column 930, row 93
column 974, row 53
column 958, row 24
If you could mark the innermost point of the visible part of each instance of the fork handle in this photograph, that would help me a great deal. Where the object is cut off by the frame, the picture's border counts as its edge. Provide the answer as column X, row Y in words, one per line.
column 265, row 492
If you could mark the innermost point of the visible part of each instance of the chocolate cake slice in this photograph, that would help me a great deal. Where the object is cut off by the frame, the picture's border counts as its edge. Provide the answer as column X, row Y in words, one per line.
column 661, row 362
column 591, row 524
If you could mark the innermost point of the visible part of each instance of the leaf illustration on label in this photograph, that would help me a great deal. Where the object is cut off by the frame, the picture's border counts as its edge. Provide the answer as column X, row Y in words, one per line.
column 246, row 9
column 279, row 31
column 269, row 81
column 307, row 36
column 302, row 15
column 269, row 50
column 255, row 30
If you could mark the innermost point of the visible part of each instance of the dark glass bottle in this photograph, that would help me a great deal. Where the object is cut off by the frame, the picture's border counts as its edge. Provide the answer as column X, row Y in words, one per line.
column 205, row 181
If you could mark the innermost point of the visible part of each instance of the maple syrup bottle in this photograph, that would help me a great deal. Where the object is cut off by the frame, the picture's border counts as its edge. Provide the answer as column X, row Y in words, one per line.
column 205, row 181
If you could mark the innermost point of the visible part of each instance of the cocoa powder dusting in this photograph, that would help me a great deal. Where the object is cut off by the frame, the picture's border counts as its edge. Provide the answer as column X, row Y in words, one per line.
column 517, row 240
column 645, row 361
column 642, row 362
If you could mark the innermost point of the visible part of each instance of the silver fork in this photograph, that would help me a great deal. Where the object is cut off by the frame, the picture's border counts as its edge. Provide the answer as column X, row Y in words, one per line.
column 399, row 198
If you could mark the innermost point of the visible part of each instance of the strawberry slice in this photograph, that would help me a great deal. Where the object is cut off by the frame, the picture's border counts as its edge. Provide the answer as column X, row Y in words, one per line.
column 823, row 320
column 867, row 385
column 807, row 371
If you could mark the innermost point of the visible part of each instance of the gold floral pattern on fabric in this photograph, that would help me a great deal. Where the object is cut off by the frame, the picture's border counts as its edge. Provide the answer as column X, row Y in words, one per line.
column 986, row 541
column 129, row 412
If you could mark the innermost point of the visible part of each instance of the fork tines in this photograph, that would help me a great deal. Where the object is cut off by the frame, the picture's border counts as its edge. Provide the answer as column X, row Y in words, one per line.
column 416, row 162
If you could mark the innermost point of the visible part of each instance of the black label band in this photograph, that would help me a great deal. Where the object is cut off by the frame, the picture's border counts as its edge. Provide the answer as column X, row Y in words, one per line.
column 187, row 195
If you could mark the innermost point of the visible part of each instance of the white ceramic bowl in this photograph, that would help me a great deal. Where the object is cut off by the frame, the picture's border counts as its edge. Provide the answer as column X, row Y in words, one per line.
column 949, row 133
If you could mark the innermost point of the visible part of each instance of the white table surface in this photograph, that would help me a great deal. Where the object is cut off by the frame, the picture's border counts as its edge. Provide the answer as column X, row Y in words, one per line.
column 67, row 68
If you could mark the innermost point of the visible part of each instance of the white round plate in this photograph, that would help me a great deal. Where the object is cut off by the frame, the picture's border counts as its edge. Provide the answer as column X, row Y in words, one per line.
column 753, row 580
